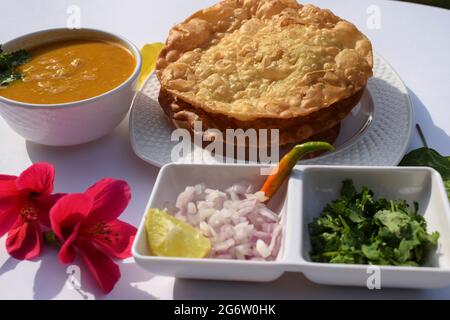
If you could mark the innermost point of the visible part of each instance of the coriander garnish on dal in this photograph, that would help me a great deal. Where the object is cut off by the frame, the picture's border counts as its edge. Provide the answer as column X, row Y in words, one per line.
column 9, row 63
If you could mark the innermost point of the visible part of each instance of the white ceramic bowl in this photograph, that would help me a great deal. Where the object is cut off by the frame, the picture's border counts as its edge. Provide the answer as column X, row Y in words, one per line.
column 75, row 122
column 171, row 181
column 317, row 186
column 309, row 189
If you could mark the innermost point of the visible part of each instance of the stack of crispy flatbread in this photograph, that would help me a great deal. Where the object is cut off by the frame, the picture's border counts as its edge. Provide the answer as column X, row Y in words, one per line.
column 264, row 64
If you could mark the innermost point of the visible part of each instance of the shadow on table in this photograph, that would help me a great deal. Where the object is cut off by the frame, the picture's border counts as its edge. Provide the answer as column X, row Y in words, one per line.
column 129, row 287
column 52, row 277
column 290, row 286
column 436, row 137
column 8, row 265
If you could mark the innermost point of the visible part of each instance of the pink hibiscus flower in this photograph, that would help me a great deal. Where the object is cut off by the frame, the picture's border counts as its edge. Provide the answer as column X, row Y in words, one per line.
column 25, row 202
column 86, row 224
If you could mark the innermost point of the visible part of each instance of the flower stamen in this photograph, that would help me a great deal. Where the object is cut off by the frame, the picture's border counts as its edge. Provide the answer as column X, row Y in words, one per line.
column 29, row 212
column 103, row 229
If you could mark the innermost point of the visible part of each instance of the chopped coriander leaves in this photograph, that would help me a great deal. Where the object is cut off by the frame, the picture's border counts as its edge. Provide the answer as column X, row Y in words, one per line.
column 9, row 63
column 357, row 229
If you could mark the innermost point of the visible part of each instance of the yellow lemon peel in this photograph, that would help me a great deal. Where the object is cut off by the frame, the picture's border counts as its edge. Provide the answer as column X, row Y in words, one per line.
column 170, row 237
column 149, row 53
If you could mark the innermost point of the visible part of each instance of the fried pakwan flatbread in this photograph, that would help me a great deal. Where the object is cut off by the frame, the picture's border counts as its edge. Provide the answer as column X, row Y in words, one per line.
column 292, row 130
column 257, row 59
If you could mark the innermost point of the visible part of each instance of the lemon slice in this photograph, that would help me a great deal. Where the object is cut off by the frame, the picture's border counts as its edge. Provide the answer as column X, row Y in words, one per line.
column 149, row 53
column 170, row 237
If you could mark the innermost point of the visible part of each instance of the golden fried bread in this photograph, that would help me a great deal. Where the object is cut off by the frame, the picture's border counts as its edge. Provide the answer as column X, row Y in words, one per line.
column 248, row 61
column 294, row 130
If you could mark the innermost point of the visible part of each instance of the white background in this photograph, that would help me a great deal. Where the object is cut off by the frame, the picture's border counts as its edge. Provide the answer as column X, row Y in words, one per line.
column 413, row 38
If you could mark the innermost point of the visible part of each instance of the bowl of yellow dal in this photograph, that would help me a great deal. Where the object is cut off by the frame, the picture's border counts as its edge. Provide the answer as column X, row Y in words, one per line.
column 77, row 85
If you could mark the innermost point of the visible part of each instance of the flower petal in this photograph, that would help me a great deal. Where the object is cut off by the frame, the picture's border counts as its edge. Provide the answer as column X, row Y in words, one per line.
column 67, row 252
column 45, row 203
column 102, row 268
column 24, row 240
column 111, row 197
column 10, row 200
column 118, row 242
column 70, row 210
column 38, row 178
column 9, row 211
column 8, row 187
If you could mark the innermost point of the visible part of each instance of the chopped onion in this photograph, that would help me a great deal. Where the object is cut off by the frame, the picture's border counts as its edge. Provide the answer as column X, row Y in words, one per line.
column 237, row 222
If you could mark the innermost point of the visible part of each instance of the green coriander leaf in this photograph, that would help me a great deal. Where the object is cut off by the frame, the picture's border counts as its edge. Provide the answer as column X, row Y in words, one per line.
column 19, row 57
column 405, row 250
column 358, row 228
column 343, row 258
column 356, row 217
column 348, row 189
column 7, row 78
column 394, row 221
column 9, row 63
column 372, row 251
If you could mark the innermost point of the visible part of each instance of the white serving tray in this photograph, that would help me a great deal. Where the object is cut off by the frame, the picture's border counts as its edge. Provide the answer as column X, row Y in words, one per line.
column 308, row 190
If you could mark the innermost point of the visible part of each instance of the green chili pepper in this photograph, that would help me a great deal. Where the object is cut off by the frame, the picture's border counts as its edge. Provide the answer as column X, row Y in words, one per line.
column 287, row 163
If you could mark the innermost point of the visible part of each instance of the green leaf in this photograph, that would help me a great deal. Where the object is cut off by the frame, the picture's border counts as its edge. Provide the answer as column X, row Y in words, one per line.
column 356, row 217
column 429, row 158
column 348, row 189
column 6, row 78
column 51, row 239
column 405, row 250
column 371, row 251
column 394, row 221
column 9, row 63
column 19, row 57
column 426, row 157
column 343, row 258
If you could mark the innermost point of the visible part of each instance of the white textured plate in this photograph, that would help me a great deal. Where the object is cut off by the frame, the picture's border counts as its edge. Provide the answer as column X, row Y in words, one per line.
column 376, row 133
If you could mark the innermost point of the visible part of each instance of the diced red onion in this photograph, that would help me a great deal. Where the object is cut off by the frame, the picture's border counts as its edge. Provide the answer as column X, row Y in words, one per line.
column 236, row 221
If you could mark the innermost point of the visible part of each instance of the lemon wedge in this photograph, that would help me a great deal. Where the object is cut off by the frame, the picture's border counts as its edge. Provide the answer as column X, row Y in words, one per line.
column 149, row 53
column 170, row 237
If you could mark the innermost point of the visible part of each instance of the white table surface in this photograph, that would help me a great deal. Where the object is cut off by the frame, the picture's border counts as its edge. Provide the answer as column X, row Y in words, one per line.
column 413, row 38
